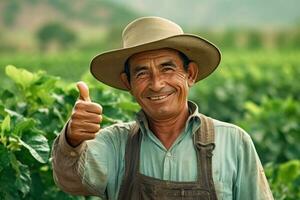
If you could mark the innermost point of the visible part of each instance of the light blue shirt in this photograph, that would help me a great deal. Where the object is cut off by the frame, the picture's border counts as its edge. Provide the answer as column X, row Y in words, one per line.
column 237, row 171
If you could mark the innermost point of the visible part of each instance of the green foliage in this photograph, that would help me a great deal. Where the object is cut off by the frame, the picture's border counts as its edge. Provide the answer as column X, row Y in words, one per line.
column 55, row 64
column 275, row 128
column 260, row 92
column 256, row 90
column 247, row 76
column 284, row 179
column 255, row 40
column 55, row 32
column 32, row 113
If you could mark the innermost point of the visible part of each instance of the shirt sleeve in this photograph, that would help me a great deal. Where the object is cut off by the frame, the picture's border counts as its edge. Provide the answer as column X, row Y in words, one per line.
column 68, row 165
column 251, row 183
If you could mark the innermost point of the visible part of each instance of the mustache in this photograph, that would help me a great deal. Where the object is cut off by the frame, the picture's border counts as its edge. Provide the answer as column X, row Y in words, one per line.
column 163, row 91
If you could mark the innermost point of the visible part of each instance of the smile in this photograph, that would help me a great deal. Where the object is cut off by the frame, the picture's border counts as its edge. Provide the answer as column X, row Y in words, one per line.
column 160, row 97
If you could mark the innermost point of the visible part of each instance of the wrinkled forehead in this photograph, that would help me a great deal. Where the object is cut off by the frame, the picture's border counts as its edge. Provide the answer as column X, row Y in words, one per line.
column 144, row 56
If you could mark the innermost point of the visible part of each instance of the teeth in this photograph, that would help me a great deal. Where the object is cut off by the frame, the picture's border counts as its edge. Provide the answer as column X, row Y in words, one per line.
column 158, row 97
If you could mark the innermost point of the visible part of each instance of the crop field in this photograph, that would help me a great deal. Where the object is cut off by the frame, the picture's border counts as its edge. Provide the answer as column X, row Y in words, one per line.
column 257, row 90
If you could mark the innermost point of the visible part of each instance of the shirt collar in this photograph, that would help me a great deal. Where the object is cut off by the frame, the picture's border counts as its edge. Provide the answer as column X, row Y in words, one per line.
column 193, row 120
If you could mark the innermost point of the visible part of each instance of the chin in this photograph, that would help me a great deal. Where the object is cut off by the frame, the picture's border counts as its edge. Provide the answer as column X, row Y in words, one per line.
column 161, row 114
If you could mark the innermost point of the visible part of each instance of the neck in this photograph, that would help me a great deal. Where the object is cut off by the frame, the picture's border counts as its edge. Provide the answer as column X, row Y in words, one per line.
column 167, row 130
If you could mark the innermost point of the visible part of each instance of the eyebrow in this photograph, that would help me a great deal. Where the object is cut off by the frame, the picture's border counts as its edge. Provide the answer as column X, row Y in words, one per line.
column 168, row 63
column 139, row 68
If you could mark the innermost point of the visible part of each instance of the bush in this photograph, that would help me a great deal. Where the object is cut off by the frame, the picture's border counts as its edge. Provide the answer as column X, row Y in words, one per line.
column 244, row 77
column 31, row 116
column 274, row 127
column 36, row 106
column 284, row 179
column 55, row 32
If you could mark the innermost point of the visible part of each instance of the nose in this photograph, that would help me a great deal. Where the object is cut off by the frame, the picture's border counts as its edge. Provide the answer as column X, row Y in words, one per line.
column 156, row 82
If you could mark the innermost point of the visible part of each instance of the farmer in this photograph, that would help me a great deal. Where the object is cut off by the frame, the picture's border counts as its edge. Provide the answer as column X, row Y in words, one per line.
column 171, row 151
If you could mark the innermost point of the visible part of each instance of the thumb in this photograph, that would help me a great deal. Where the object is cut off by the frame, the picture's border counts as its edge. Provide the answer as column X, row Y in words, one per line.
column 83, row 91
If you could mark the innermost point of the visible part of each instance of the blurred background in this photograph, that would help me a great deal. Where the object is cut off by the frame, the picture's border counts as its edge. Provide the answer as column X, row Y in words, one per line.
column 47, row 45
column 41, row 31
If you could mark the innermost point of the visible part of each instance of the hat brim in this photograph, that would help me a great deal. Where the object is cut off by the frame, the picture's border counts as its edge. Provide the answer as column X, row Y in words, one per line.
column 108, row 66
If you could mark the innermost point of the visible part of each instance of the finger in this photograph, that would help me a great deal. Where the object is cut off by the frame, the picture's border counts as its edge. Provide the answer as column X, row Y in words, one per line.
column 94, row 108
column 90, row 117
column 85, row 126
column 88, row 107
column 83, row 91
column 83, row 135
column 95, row 119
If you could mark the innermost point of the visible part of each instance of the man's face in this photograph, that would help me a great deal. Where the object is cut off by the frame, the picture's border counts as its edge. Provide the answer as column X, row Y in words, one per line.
column 160, row 83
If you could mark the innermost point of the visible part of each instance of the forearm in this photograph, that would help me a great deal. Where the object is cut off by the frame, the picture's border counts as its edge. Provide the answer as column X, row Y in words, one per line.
column 68, row 163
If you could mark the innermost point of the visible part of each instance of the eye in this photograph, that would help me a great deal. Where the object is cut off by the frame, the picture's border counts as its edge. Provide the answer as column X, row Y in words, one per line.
column 141, row 73
column 167, row 68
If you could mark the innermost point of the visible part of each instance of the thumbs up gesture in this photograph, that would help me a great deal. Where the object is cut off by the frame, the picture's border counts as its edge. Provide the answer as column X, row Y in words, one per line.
column 85, row 119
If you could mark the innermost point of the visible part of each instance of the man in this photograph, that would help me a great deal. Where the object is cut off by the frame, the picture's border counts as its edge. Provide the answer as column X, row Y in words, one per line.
column 171, row 151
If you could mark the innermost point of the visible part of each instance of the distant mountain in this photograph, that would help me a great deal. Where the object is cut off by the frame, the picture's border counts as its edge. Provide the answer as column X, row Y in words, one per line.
column 89, row 18
column 30, row 14
column 196, row 14
column 220, row 14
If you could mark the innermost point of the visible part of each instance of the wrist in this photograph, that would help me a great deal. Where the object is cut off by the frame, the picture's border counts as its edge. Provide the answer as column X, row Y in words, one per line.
column 71, row 142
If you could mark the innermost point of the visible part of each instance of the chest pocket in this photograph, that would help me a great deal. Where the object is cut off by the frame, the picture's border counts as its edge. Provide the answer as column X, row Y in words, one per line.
column 223, row 190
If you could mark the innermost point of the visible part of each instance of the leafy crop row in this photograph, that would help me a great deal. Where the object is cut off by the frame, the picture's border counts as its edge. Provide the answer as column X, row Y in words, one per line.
column 31, row 116
column 264, row 101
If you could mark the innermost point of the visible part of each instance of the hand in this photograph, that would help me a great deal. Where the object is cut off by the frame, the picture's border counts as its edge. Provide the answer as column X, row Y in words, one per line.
column 85, row 119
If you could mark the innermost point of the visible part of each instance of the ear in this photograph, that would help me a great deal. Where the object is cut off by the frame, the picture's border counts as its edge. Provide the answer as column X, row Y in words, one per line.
column 192, row 72
column 125, row 81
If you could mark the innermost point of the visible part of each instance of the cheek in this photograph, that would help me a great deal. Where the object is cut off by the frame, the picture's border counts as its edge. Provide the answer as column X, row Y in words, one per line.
column 180, row 81
column 137, row 88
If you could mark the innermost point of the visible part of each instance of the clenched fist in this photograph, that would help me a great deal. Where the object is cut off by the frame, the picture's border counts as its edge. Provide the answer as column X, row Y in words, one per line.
column 85, row 119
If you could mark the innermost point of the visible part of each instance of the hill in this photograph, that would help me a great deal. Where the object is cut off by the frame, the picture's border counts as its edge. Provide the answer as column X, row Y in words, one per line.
column 28, row 15
column 216, row 14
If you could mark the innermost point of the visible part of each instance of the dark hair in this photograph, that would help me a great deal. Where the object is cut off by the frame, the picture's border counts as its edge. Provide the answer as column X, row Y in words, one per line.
column 182, row 56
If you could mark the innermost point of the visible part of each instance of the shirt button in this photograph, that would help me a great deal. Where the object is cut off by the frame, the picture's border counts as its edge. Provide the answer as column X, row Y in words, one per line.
column 73, row 154
column 169, row 154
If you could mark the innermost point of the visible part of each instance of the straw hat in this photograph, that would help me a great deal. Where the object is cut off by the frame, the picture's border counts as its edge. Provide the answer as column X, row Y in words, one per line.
column 150, row 33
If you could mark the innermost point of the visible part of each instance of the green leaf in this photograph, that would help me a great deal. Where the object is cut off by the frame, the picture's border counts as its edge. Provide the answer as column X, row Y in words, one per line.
column 38, row 147
column 130, row 106
column 43, row 89
column 24, row 125
column 23, row 179
column 2, row 110
column 252, row 108
column 45, row 97
column 4, row 158
column 13, row 113
column 22, row 77
column 289, row 171
column 14, row 144
column 8, row 188
column 6, row 94
column 5, row 126
column 109, row 120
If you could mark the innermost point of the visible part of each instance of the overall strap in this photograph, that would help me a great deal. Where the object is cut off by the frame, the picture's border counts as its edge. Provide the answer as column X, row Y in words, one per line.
column 204, row 141
column 128, row 187
column 206, row 134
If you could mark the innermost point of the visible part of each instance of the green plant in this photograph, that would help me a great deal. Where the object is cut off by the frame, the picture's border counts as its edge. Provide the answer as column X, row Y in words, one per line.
column 256, row 90
column 274, row 127
column 244, row 77
column 55, row 32
column 284, row 179
column 32, row 113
